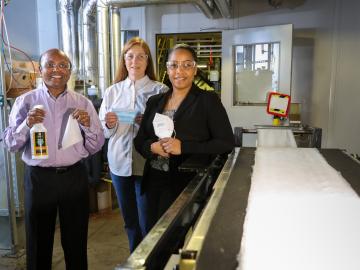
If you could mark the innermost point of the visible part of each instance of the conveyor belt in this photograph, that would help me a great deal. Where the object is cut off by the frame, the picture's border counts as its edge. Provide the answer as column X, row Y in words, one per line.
column 223, row 238
column 222, row 242
column 349, row 168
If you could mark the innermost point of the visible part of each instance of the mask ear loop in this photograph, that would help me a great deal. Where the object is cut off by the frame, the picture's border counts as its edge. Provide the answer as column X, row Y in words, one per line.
column 174, row 136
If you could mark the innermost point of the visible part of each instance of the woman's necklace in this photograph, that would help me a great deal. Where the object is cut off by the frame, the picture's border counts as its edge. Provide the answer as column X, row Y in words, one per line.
column 174, row 102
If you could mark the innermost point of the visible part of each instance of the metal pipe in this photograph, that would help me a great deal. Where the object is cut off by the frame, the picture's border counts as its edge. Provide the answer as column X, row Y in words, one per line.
column 90, row 42
column 68, row 29
column 208, row 10
column 115, row 37
column 103, row 46
column 81, row 71
column 224, row 8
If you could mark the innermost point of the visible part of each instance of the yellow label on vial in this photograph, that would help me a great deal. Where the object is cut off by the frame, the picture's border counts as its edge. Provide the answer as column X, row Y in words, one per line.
column 39, row 144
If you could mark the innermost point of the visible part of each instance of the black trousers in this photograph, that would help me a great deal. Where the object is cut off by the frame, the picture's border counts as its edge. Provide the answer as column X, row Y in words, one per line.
column 162, row 190
column 49, row 191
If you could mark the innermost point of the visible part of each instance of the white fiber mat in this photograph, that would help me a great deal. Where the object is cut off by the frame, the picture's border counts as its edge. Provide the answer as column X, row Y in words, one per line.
column 275, row 137
column 301, row 214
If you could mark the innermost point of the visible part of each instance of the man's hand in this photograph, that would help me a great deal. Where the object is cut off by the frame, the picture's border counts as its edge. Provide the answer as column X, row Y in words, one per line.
column 82, row 117
column 35, row 116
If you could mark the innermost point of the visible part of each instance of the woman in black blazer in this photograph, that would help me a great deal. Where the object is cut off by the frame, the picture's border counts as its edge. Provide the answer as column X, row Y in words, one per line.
column 201, row 127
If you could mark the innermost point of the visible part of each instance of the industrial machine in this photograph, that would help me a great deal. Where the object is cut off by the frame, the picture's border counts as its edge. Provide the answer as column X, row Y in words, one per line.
column 214, row 232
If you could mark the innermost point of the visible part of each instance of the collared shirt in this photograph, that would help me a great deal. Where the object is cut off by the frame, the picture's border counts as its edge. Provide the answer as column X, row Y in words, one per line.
column 57, row 111
column 122, row 156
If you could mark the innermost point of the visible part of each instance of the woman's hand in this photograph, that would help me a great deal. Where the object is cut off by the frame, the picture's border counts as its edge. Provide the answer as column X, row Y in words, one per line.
column 138, row 118
column 171, row 146
column 157, row 149
column 111, row 119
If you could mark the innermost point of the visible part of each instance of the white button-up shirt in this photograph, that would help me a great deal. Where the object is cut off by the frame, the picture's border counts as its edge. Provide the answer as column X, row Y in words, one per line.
column 126, row 95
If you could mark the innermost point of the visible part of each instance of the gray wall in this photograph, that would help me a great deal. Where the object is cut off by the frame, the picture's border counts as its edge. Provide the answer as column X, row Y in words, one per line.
column 344, row 122
column 47, row 25
column 32, row 26
column 22, row 21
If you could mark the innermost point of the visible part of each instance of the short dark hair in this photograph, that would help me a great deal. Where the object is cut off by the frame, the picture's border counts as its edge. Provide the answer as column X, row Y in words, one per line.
column 183, row 46
column 51, row 51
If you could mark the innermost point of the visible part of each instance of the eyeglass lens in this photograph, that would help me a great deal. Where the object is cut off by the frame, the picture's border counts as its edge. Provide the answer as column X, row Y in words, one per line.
column 185, row 64
column 62, row 66
column 141, row 57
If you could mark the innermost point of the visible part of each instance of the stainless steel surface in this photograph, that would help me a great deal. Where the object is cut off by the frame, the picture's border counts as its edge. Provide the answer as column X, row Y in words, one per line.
column 115, row 38
column 202, row 226
column 201, row 4
column 139, row 257
column 305, row 136
column 103, row 46
column 81, row 69
column 224, row 8
column 68, row 12
column 297, row 129
column 90, row 42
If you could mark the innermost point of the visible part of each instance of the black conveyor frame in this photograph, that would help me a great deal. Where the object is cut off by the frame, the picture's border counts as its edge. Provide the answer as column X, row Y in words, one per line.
column 223, row 239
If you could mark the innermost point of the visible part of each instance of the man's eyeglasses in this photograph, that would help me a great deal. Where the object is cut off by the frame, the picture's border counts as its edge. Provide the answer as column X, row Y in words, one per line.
column 141, row 57
column 62, row 66
column 173, row 65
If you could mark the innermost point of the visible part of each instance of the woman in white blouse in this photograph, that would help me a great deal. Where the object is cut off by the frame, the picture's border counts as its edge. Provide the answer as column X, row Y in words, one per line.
column 121, row 113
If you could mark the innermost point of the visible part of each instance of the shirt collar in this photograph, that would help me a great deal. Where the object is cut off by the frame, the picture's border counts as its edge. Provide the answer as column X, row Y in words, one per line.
column 46, row 90
column 139, row 83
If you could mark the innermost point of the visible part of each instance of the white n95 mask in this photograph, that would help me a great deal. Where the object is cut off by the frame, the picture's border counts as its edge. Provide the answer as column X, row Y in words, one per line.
column 163, row 126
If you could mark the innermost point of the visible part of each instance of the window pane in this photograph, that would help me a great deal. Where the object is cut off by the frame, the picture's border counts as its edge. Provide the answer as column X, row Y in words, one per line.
column 256, row 72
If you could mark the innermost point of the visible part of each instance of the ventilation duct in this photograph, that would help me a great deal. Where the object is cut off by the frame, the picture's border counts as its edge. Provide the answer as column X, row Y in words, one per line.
column 103, row 46
column 89, row 43
column 68, row 29
column 224, row 7
column 206, row 8
column 115, row 39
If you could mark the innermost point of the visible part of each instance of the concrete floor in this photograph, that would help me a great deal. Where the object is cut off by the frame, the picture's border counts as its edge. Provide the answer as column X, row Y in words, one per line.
column 107, row 245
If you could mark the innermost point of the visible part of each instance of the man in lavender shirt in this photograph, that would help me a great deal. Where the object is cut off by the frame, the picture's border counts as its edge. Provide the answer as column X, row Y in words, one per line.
column 57, row 184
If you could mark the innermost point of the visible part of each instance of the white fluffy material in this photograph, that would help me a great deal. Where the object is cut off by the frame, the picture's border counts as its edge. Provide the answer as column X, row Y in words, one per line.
column 275, row 137
column 301, row 214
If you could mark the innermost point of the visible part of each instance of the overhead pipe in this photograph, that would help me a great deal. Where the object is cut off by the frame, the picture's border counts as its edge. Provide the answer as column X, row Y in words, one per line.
column 224, row 7
column 206, row 8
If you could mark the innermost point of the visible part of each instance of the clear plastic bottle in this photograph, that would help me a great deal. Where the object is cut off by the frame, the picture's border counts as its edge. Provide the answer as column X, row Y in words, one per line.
column 92, row 91
column 38, row 137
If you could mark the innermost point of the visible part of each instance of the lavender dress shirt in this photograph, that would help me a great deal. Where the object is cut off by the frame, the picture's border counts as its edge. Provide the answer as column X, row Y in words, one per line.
column 57, row 110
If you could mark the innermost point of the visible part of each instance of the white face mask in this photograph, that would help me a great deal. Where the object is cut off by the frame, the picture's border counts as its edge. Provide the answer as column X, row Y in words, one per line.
column 163, row 126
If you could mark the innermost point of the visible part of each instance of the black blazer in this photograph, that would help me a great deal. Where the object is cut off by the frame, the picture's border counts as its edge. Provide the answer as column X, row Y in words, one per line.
column 201, row 124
